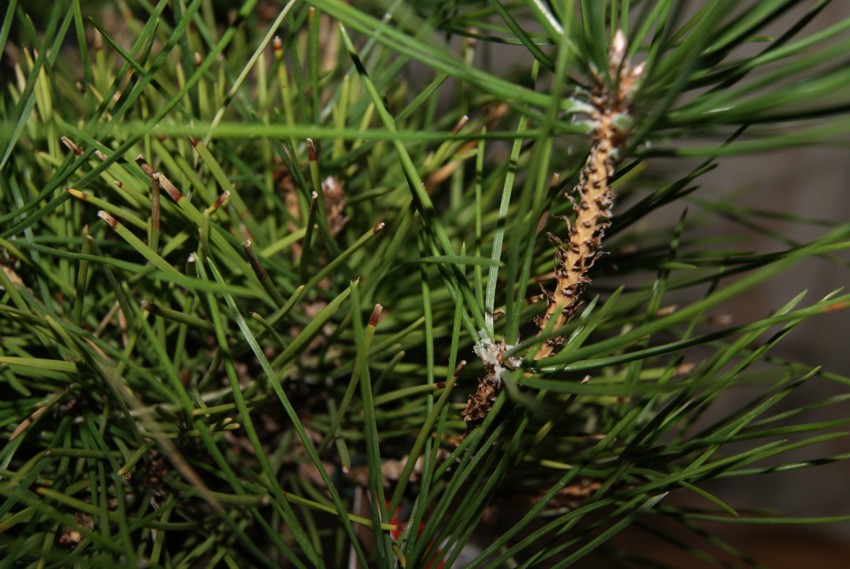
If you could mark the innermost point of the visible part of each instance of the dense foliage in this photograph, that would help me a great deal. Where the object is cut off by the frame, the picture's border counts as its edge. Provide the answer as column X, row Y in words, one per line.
column 289, row 286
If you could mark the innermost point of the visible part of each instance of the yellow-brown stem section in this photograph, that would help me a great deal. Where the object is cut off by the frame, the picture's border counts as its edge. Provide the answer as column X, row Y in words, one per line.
column 579, row 252
column 576, row 256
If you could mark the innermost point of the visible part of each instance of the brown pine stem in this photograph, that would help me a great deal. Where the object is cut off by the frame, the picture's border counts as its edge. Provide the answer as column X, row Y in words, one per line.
column 595, row 198
column 610, row 100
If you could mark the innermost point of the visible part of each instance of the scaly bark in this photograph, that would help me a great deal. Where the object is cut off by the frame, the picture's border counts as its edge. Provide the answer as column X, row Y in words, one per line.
column 609, row 102
column 595, row 199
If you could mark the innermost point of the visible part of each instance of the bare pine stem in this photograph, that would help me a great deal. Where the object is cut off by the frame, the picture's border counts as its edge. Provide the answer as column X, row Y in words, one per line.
column 610, row 101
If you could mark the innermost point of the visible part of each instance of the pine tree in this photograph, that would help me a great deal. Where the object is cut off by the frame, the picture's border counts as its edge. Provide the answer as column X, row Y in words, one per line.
column 382, row 284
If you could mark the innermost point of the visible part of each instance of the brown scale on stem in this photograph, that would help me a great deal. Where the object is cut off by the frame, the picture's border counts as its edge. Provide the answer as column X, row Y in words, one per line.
column 594, row 198
column 609, row 101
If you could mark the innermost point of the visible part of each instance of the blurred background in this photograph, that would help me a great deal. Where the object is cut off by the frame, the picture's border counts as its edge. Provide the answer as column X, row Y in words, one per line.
column 812, row 182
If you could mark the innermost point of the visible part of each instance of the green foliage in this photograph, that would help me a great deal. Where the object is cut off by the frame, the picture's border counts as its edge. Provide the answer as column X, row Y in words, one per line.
column 201, row 209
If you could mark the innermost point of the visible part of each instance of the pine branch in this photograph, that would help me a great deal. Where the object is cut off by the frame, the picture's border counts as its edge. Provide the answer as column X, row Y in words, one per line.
column 609, row 112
